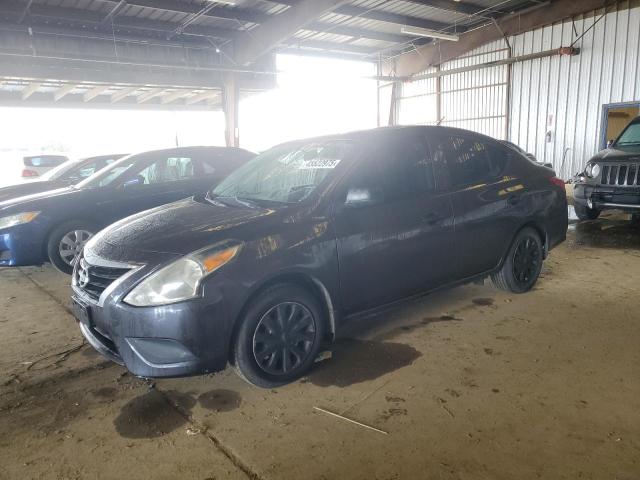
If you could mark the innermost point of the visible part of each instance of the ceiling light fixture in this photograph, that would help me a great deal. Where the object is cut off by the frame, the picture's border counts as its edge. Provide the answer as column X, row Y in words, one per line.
column 423, row 32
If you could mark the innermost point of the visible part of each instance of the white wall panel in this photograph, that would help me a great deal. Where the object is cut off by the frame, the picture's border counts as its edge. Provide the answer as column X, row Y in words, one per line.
column 556, row 102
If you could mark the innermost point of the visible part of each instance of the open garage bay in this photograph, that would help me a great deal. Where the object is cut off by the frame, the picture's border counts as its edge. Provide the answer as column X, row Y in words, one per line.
column 465, row 383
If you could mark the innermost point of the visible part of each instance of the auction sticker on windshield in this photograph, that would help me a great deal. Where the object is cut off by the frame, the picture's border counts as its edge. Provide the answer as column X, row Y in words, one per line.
column 318, row 163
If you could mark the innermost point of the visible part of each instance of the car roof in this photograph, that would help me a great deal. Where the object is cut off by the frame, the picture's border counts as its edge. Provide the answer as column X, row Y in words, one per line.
column 387, row 132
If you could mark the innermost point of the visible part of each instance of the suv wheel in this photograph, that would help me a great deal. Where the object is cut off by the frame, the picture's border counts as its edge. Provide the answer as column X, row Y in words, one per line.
column 279, row 336
column 523, row 264
column 585, row 213
column 66, row 242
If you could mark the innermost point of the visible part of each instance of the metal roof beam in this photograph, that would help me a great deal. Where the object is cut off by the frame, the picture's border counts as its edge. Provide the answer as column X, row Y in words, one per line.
column 331, row 46
column 94, row 92
column 387, row 17
column 153, row 93
column 30, row 89
column 121, row 94
column 207, row 94
column 63, row 91
column 265, row 37
column 173, row 96
column 438, row 52
column 381, row 15
column 456, row 6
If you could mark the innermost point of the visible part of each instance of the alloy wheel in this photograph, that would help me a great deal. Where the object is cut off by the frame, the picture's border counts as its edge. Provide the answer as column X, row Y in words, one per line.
column 284, row 338
column 526, row 260
column 71, row 245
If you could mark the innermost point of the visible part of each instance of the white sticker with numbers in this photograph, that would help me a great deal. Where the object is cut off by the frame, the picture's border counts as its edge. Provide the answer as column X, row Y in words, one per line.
column 318, row 163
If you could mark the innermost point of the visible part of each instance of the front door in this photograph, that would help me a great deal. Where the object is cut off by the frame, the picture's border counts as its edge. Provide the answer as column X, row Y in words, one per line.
column 164, row 180
column 396, row 242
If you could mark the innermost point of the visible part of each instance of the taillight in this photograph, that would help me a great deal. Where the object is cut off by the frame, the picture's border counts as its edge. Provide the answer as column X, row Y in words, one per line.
column 557, row 181
column 29, row 173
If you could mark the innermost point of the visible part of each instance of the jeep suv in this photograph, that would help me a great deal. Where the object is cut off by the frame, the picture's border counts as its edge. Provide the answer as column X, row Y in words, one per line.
column 611, row 178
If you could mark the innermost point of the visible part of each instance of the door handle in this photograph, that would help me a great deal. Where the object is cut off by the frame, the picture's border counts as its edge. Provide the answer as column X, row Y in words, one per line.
column 513, row 199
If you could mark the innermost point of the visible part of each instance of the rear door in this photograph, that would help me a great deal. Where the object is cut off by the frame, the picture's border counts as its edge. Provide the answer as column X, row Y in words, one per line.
column 399, row 244
column 485, row 199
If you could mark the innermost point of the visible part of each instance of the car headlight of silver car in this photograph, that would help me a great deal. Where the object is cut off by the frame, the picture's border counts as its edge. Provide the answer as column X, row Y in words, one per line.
column 181, row 279
column 17, row 219
column 592, row 170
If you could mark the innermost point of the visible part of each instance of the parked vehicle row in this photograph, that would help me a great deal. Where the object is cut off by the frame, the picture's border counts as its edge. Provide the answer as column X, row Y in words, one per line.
column 54, row 225
column 64, row 175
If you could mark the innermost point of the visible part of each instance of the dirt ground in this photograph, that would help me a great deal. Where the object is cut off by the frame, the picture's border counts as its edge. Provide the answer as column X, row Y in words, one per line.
column 469, row 383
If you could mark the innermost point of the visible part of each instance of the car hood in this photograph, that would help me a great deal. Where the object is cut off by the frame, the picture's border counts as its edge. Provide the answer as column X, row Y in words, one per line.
column 617, row 155
column 177, row 229
column 23, row 189
column 39, row 201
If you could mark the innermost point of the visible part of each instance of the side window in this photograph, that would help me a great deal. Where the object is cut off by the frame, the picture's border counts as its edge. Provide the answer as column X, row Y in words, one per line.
column 167, row 170
column 87, row 170
column 468, row 160
column 398, row 171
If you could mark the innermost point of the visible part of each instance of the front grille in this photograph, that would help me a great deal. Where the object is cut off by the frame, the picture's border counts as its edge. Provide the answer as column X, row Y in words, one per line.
column 622, row 175
column 93, row 280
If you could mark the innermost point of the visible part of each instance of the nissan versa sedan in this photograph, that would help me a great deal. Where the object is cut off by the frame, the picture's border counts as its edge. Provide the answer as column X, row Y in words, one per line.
column 53, row 226
column 611, row 179
column 277, row 257
column 69, row 173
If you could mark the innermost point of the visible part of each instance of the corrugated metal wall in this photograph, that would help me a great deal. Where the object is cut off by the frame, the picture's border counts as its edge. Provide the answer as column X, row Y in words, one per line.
column 556, row 105
column 475, row 100
column 556, row 102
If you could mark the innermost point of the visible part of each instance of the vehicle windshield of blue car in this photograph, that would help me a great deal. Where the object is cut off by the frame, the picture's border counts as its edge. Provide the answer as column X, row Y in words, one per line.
column 630, row 137
column 285, row 174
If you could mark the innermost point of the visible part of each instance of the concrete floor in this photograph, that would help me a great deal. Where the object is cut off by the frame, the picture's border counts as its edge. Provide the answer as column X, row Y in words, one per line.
column 470, row 383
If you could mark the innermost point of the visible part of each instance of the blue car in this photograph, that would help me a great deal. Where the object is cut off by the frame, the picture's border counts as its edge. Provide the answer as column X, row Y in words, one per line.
column 54, row 226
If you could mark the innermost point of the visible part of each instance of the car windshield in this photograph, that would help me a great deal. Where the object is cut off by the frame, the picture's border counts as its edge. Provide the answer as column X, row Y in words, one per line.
column 108, row 174
column 630, row 136
column 285, row 174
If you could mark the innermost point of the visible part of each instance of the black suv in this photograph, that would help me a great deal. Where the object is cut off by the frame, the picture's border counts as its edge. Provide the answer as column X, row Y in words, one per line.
column 611, row 179
column 278, row 256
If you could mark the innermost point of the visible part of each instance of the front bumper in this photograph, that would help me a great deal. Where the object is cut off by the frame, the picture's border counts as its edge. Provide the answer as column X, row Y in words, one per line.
column 603, row 197
column 20, row 246
column 187, row 338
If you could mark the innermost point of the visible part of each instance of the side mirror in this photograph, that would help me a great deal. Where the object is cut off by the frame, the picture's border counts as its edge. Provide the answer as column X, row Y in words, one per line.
column 360, row 197
column 609, row 143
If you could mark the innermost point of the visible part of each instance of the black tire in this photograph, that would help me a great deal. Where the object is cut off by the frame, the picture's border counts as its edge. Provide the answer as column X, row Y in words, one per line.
column 523, row 264
column 55, row 239
column 585, row 213
column 261, row 345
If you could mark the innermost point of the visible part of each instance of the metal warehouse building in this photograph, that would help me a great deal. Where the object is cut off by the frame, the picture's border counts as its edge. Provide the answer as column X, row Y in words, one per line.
column 320, row 239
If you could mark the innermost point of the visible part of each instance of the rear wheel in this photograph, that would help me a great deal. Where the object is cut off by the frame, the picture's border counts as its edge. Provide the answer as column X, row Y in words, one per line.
column 585, row 213
column 279, row 336
column 66, row 242
column 523, row 264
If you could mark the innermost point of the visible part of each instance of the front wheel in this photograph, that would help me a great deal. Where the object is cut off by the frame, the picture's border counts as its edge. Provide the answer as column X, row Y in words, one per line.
column 585, row 213
column 523, row 264
column 279, row 336
column 66, row 242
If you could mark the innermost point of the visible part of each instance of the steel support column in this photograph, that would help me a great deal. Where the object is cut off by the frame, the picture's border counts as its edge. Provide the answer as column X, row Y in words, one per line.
column 230, row 105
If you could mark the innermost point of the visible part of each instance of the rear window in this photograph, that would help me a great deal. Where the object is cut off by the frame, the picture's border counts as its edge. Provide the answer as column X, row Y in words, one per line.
column 48, row 161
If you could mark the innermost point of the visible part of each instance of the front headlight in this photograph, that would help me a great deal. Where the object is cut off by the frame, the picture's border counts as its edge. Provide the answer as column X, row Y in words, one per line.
column 181, row 279
column 592, row 170
column 17, row 219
